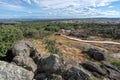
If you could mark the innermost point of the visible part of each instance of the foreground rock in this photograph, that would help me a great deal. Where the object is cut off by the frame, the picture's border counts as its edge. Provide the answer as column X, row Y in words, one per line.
column 104, row 70
column 95, row 69
column 113, row 72
column 11, row 72
column 46, row 76
column 23, row 54
column 75, row 73
column 51, row 64
column 25, row 62
column 23, row 48
column 53, row 67
column 96, row 54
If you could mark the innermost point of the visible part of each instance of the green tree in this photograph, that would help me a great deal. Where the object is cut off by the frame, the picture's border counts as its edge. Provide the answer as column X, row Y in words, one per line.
column 8, row 35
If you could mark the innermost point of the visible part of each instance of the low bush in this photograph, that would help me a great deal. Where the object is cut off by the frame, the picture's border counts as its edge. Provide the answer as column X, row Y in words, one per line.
column 117, row 64
column 51, row 46
column 8, row 35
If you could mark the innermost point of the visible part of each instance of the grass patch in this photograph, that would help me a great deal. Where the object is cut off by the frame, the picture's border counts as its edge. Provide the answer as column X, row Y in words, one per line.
column 117, row 64
column 51, row 46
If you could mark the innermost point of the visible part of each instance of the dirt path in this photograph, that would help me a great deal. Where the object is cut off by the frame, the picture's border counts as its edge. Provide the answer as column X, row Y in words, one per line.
column 87, row 41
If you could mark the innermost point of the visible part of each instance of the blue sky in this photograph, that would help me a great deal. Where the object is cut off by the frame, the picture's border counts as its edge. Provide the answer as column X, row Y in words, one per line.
column 59, row 8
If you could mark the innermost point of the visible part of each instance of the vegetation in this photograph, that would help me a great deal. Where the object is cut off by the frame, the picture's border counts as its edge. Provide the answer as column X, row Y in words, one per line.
column 51, row 46
column 117, row 64
column 10, row 33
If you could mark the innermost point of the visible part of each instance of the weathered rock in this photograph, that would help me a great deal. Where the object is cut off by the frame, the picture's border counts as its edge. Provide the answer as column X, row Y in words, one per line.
column 94, row 68
column 87, row 47
column 51, row 64
column 75, row 73
column 45, row 76
column 25, row 62
column 41, row 76
column 56, row 77
column 22, row 48
column 12, row 72
column 112, row 71
column 23, row 54
column 96, row 54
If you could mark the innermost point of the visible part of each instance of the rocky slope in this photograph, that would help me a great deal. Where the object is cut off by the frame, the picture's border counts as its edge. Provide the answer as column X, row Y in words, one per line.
column 24, row 62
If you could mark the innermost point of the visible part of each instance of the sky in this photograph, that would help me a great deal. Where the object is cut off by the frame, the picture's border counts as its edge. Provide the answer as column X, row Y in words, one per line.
column 44, row 9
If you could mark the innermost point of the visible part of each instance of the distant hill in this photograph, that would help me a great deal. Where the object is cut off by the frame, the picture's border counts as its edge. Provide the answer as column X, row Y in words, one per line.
column 95, row 20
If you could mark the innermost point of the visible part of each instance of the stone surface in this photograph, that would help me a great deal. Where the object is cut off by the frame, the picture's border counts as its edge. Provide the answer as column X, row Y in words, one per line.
column 94, row 68
column 102, row 70
column 45, row 76
column 96, row 54
column 75, row 73
column 25, row 62
column 22, row 48
column 11, row 72
column 51, row 64
column 113, row 72
column 23, row 54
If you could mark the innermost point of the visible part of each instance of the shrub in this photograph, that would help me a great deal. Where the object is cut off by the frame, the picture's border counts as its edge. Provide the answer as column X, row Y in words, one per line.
column 117, row 64
column 31, row 33
column 50, row 45
column 8, row 35
column 52, row 28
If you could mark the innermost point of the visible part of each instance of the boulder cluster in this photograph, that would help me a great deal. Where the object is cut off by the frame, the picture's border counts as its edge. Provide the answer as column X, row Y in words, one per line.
column 24, row 62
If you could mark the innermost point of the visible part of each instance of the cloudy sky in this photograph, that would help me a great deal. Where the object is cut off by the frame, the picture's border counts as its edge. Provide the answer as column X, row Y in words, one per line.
column 59, row 8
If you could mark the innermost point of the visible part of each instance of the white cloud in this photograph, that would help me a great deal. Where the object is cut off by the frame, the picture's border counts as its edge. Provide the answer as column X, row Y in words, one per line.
column 110, row 13
column 111, row 6
column 10, row 6
column 28, row 1
column 63, row 7
column 56, row 4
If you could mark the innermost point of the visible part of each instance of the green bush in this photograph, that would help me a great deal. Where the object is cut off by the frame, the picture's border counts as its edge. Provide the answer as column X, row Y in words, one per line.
column 51, row 46
column 31, row 33
column 117, row 64
column 52, row 28
column 8, row 35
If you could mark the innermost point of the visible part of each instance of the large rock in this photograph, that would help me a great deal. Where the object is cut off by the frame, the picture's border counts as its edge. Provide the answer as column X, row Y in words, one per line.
column 25, row 62
column 12, row 72
column 51, row 64
column 87, row 47
column 75, row 73
column 45, row 76
column 23, row 54
column 96, row 54
column 22, row 48
column 95, row 69
column 113, row 72
column 102, row 70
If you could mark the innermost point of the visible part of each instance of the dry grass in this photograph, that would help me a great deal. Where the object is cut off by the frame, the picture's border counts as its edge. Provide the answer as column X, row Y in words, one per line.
column 70, row 52
column 40, row 46
column 70, row 49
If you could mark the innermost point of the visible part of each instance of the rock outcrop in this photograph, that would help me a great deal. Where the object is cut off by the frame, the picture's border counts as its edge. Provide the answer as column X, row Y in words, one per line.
column 51, row 64
column 23, row 54
column 102, row 70
column 46, row 76
column 25, row 63
column 12, row 72
column 96, row 54
column 95, row 69
column 75, row 73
